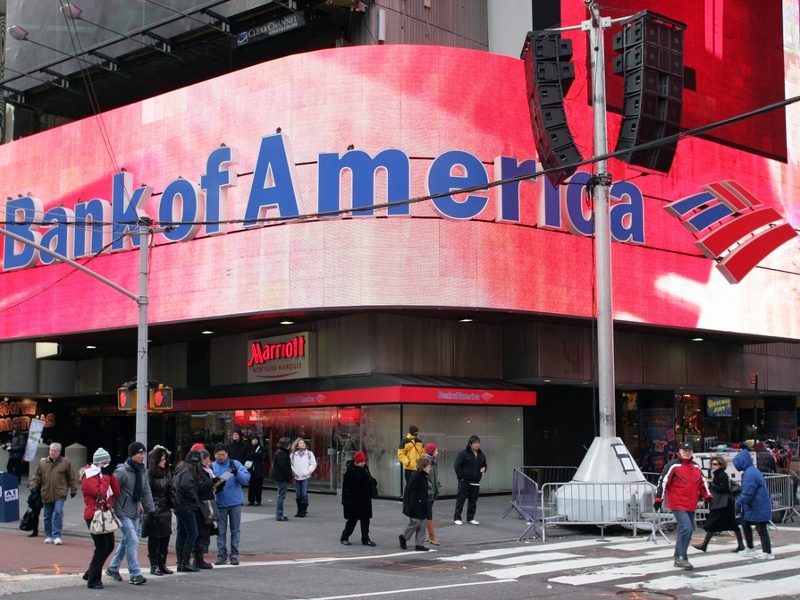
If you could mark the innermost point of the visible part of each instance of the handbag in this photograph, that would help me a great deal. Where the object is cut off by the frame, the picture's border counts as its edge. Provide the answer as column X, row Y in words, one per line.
column 210, row 512
column 736, row 488
column 104, row 520
column 27, row 523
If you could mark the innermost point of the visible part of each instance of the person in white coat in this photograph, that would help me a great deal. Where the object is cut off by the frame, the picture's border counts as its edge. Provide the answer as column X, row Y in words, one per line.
column 303, row 464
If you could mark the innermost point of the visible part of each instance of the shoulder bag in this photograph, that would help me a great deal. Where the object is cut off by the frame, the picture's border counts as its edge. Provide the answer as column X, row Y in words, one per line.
column 104, row 520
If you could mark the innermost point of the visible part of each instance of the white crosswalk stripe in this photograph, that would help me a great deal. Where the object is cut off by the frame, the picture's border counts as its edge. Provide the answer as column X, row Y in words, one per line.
column 634, row 564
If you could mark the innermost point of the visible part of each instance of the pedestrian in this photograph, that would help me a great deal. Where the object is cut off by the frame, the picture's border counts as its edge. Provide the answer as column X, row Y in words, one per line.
column 303, row 464
column 683, row 483
column 16, row 449
column 229, row 501
column 159, row 528
column 765, row 459
column 255, row 464
column 98, row 484
column 281, row 473
column 756, row 506
column 431, row 453
column 186, row 506
column 206, row 493
column 134, row 493
column 470, row 465
column 721, row 513
column 415, row 506
column 237, row 449
column 410, row 450
column 357, row 492
column 54, row 477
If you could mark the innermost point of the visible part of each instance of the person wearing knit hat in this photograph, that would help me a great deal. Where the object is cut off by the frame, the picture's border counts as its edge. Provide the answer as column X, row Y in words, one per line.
column 134, row 493
column 98, row 482
column 431, row 452
column 358, row 489
column 411, row 448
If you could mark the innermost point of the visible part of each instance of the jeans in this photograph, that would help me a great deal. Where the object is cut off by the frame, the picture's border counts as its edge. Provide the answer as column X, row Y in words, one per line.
column 685, row 520
column 282, row 487
column 53, row 518
column 129, row 547
column 187, row 528
column 234, row 514
column 301, row 490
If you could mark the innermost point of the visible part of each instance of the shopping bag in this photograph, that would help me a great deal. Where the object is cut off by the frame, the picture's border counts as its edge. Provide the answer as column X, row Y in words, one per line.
column 27, row 523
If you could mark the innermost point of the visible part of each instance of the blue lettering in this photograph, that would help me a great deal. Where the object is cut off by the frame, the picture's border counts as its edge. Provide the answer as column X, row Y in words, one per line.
column 577, row 214
column 218, row 178
column 273, row 181
column 442, row 180
column 548, row 206
column 188, row 212
column 60, row 238
column 506, row 167
column 91, row 221
column 627, row 217
column 21, row 219
column 126, row 213
column 363, row 170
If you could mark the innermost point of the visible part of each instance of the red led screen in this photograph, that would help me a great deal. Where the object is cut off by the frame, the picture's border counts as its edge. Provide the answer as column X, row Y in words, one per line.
column 424, row 101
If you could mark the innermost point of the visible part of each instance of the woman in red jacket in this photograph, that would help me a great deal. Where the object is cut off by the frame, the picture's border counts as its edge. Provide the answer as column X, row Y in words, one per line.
column 98, row 482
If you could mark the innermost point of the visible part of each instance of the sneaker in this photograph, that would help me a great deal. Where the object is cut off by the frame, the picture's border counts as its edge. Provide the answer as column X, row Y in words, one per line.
column 48, row 540
column 473, row 522
column 114, row 575
column 748, row 552
column 682, row 563
column 764, row 556
column 234, row 561
column 458, row 522
column 57, row 541
column 137, row 580
column 221, row 561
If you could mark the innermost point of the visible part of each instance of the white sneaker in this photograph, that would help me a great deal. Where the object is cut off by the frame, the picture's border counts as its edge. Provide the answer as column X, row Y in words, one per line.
column 57, row 541
column 48, row 540
column 764, row 556
column 473, row 522
column 748, row 552
column 458, row 522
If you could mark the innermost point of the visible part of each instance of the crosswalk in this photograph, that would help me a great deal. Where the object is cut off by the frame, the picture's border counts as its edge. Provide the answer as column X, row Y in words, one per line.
column 642, row 565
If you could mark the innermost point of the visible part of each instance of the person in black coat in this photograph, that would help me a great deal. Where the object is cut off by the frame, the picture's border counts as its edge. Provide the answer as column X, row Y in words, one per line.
column 357, row 491
column 255, row 456
column 281, row 473
column 159, row 527
column 470, row 465
column 415, row 505
column 721, row 514
column 207, row 487
column 186, row 506
column 237, row 449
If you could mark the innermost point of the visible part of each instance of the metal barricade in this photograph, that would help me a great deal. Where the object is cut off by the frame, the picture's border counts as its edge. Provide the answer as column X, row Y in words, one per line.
column 524, row 501
column 781, row 494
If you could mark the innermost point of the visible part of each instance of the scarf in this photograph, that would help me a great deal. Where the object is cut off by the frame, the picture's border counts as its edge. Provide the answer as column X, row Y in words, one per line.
column 433, row 460
column 138, row 470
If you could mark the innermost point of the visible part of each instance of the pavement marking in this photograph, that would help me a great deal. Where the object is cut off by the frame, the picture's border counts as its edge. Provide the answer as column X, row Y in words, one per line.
column 484, row 554
column 788, row 586
column 417, row 589
column 578, row 563
column 541, row 557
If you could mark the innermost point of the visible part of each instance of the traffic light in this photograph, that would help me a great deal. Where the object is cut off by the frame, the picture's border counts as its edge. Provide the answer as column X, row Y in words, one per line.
column 161, row 398
column 126, row 399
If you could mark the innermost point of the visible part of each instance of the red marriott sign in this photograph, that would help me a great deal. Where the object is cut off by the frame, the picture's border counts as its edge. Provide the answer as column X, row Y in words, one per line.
column 281, row 357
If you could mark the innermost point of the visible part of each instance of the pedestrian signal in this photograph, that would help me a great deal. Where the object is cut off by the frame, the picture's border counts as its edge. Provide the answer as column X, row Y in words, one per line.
column 161, row 398
column 126, row 399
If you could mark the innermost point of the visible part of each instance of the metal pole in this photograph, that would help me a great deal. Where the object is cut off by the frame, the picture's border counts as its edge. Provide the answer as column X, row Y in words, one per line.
column 755, row 409
column 601, row 186
column 142, row 395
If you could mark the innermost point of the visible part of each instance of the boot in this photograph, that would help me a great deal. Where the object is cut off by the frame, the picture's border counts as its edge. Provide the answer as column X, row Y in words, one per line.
column 155, row 568
column 702, row 547
column 740, row 545
column 184, row 558
column 34, row 533
column 299, row 509
column 199, row 562
column 432, row 534
column 162, row 562
column 303, row 509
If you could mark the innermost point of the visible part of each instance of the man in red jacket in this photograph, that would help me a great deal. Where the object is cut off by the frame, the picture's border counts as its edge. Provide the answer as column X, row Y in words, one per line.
column 683, row 483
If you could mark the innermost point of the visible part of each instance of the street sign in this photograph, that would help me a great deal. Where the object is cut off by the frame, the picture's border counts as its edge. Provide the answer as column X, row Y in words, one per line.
column 753, row 378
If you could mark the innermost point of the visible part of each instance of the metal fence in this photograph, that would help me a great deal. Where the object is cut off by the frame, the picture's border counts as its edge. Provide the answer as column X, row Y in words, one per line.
column 782, row 495
column 524, row 501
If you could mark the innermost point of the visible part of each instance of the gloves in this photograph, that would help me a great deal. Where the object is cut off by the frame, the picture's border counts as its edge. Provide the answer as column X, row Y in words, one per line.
column 73, row 493
column 234, row 470
column 657, row 504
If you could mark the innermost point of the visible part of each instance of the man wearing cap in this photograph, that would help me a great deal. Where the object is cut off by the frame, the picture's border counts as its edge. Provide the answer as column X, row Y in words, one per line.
column 684, row 484
column 411, row 448
column 134, row 491
column 54, row 476
column 229, row 501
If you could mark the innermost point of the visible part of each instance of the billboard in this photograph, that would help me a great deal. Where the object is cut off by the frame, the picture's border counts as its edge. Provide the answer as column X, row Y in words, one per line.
column 244, row 164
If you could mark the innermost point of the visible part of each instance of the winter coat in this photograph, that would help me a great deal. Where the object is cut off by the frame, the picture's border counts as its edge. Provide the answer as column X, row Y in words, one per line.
column 54, row 478
column 754, row 501
column 18, row 442
column 256, row 454
column 468, row 465
column 433, row 480
column 186, row 488
column 231, row 494
column 238, row 451
column 356, row 492
column 721, row 514
column 410, row 450
column 303, row 464
column 281, row 466
column 415, row 497
column 96, row 484
column 683, row 483
column 125, row 506
column 765, row 461
column 159, row 480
